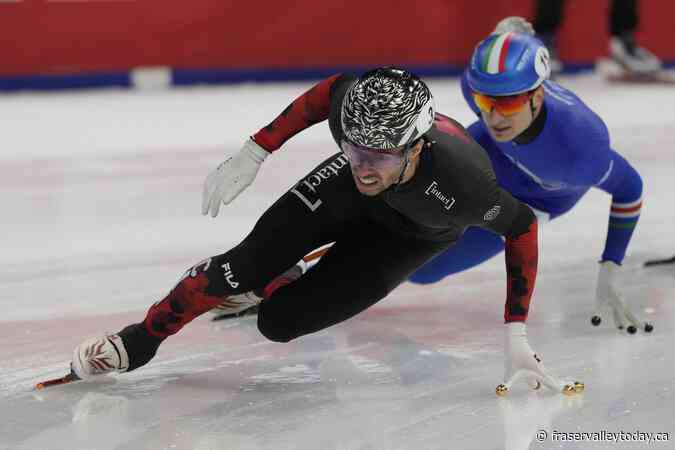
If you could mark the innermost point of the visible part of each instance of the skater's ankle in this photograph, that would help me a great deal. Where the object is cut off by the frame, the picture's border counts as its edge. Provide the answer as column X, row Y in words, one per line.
column 141, row 346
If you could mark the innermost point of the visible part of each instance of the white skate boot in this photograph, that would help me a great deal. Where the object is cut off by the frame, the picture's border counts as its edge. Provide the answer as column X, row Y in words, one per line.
column 631, row 57
column 98, row 356
column 247, row 303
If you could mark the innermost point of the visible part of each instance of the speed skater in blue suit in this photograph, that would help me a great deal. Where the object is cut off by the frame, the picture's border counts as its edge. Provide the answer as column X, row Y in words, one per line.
column 547, row 148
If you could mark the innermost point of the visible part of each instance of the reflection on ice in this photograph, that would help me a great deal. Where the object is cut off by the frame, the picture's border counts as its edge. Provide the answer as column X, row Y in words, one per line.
column 525, row 417
column 101, row 407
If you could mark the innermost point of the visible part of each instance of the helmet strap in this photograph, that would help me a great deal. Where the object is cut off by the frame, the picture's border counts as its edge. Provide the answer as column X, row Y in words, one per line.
column 406, row 161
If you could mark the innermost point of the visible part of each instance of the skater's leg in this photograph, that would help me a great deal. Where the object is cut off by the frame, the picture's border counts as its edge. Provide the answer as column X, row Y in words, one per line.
column 274, row 245
column 623, row 22
column 474, row 247
column 548, row 16
column 313, row 213
column 623, row 17
column 360, row 269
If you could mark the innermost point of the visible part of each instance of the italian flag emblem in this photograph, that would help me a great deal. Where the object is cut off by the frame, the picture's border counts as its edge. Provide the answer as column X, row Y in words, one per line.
column 494, row 56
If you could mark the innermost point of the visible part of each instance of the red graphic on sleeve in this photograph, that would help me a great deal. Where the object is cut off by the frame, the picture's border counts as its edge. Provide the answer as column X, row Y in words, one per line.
column 311, row 107
column 446, row 125
column 522, row 257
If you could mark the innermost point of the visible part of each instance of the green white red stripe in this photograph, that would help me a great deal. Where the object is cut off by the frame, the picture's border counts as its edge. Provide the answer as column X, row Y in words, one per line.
column 626, row 210
column 494, row 58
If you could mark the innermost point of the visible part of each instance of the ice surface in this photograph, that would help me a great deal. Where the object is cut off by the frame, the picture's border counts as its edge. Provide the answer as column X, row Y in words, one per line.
column 100, row 195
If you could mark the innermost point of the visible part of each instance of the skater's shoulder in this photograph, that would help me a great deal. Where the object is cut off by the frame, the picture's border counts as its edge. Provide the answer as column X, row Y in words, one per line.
column 463, row 169
column 563, row 104
column 454, row 150
column 571, row 121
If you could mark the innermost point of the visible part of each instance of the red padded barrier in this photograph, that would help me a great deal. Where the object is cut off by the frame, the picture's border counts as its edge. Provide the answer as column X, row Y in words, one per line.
column 63, row 36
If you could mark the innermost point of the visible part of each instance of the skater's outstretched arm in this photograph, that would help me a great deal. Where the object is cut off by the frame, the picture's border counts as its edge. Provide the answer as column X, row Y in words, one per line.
column 310, row 108
column 521, row 254
column 596, row 164
column 239, row 170
column 498, row 211
column 521, row 362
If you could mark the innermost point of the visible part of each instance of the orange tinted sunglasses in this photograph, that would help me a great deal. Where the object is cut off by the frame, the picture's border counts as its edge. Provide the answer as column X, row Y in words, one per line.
column 506, row 105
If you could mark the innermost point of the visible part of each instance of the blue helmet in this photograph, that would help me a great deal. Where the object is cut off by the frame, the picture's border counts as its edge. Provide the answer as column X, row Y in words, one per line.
column 507, row 64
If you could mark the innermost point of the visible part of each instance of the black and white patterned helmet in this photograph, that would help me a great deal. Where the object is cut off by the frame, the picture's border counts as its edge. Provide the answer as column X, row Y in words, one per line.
column 387, row 108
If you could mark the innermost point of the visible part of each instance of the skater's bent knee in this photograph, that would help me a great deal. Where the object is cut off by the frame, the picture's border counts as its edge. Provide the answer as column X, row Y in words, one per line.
column 275, row 330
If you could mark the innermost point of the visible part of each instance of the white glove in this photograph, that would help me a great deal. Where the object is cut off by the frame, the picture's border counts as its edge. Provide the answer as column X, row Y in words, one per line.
column 232, row 176
column 607, row 296
column 515, row 24
column 522, row 363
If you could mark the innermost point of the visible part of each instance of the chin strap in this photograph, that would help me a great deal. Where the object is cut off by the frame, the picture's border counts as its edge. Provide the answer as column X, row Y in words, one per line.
column 406, row 161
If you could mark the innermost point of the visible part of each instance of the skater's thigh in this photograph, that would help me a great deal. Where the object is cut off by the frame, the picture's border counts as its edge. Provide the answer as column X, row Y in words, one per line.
column 299, row 222
column 361, row 268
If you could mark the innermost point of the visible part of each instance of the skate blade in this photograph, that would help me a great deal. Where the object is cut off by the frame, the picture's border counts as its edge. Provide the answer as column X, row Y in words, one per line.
column 642, row 78
column 252, row 311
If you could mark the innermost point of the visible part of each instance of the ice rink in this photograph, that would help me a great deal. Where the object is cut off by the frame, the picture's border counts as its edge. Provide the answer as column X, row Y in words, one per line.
column 101, row 196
